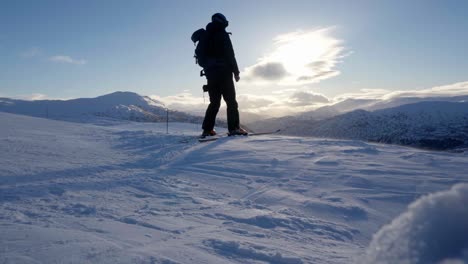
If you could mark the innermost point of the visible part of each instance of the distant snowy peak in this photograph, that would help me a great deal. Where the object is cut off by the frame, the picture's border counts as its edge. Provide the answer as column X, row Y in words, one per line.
column 398, row 101
column 320, row 113
column 432, row 107
column 352, row 104
column 337, row 108
column 118, row 105
column 436, row 125
column 127, row 98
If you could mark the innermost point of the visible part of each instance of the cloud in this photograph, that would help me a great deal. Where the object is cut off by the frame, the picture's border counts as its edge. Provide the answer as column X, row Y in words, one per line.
column 36, row 96
column 30, row 53
column 31, row 97
column 298, row 58
column 456, row 89
column 271, row 71
column 289, row 101
column 363, row 94
column 319, row 76
column 185, row 102
column 67, row 59
column 307, row 99
column 319, row 65
column 285, row 91
column 256, row 104
column 36, row 52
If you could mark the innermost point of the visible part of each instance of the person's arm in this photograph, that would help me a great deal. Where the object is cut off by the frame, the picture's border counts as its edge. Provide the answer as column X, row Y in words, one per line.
column 231, row 57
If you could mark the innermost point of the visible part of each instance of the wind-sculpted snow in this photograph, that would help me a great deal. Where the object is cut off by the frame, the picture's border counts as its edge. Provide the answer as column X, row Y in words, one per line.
column 291, row 223
column 127, row 192
column 434, row 229
column 235, row 250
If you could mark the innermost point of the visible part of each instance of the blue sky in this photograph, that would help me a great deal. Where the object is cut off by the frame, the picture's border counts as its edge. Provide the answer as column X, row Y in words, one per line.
column 69, row 49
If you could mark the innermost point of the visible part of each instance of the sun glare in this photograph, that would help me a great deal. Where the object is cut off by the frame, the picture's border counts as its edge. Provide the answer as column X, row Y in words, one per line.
column 306, row 57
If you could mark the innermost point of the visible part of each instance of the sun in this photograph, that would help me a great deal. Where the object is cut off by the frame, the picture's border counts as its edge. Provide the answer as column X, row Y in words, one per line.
column 306, row 56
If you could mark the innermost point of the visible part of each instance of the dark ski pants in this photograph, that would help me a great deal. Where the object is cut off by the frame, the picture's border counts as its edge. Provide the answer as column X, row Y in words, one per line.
column 221, row 85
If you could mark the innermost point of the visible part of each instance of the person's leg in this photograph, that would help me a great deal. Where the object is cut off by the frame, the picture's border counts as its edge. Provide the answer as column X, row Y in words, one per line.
column 213, row 108
column 229, row 95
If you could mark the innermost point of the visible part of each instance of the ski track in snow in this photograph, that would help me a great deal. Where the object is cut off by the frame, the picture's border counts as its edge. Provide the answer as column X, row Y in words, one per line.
column 129, row 193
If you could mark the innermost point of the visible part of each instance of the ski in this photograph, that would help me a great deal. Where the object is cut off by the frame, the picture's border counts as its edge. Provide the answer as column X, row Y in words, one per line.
column 213, row 138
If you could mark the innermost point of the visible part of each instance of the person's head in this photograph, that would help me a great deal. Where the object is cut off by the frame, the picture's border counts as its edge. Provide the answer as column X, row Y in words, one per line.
column 220, row 18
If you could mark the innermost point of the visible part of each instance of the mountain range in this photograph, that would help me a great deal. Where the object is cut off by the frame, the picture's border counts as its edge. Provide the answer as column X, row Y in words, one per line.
column 435, row 123
column 432, row 124
column 117, row 105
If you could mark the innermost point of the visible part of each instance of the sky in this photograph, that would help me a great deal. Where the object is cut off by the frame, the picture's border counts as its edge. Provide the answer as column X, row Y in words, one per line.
column 293, row 55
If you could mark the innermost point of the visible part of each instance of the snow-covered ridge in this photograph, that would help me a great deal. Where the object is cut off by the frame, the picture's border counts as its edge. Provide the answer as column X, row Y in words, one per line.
column 306, row 124
column 436, row 125
column 118, row 105
column 351, row 104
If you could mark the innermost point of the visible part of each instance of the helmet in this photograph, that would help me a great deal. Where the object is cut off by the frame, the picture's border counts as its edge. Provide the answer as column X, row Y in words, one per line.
column 220, row 18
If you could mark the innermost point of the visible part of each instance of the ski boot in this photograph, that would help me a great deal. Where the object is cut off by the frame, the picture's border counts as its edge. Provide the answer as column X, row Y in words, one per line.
column 208, row 133
column 238, row 132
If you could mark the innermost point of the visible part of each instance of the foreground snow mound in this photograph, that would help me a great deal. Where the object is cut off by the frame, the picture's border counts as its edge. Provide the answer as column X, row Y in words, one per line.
column 433, row 230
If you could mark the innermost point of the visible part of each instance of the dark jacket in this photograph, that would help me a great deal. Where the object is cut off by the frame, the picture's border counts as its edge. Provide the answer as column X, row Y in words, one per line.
column 220, row 51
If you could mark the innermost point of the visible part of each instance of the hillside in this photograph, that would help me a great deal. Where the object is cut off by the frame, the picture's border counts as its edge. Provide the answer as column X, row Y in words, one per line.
column 118, row 105
column 434, row 125
column 129, row 193
column 346, row 106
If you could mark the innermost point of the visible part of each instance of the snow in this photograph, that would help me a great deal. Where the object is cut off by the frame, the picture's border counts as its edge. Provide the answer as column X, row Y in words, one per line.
column 126, row 192
column 434, row 229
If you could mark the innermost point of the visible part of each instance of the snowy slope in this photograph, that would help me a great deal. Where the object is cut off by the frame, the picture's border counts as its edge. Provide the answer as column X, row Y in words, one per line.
column 118, row 105
column 129, row 193
column 436, row 125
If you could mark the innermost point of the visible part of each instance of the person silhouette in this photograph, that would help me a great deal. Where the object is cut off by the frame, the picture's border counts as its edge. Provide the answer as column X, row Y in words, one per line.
column 221, row 67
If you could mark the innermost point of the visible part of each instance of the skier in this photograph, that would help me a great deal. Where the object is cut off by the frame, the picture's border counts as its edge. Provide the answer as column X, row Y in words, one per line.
column 221, row 65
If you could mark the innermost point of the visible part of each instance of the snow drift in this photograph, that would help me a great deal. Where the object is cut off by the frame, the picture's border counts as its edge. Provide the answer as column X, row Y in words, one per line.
column 434, row 229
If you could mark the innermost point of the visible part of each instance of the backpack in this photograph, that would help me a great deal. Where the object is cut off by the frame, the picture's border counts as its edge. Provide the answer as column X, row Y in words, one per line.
column 201, row 50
